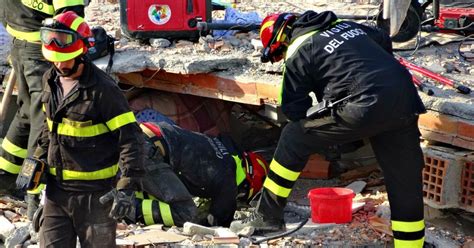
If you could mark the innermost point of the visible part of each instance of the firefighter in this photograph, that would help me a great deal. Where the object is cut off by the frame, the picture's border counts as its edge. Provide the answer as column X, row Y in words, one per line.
column 337, row 59
column 90, row 132
column 182, row 164
column 22, row 21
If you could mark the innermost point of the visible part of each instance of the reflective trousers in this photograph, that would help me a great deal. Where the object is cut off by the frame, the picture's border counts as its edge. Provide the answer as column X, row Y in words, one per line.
column 396, row 145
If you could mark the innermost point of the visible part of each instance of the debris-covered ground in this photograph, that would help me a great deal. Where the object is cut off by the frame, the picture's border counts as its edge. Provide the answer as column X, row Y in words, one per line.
column 239, row 55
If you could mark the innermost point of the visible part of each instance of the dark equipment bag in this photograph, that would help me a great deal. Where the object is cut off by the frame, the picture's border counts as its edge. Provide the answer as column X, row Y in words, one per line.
column 103, row 46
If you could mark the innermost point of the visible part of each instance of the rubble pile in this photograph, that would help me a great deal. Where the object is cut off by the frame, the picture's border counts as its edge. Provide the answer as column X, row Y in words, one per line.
column 370, row 226
column 15, row 229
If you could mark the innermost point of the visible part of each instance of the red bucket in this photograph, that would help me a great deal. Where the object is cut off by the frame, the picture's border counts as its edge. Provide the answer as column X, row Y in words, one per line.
column 331, row 205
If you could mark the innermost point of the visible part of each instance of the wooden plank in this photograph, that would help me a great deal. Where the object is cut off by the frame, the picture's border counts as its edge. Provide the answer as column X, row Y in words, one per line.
column 206, row 85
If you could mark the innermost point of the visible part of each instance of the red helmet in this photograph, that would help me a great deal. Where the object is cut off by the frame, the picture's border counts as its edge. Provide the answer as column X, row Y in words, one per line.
column 272, row 35
column 256, row 170
column 65, row 37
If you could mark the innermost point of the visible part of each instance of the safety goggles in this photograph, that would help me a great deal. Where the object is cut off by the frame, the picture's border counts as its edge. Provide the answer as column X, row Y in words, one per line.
column 62, row 38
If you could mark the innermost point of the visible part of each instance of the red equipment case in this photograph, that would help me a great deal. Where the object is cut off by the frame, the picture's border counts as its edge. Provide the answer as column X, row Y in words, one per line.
column 170, row 19
column 456, row 19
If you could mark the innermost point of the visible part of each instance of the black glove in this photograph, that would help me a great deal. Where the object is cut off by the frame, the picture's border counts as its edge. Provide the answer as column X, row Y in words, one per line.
column 123, row 205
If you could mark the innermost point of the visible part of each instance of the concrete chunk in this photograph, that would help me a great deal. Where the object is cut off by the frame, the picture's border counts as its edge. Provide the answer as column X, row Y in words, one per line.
column 6, row 228
column 18, row 237
column 357, row 186
column 190, row 228
column 310, row 227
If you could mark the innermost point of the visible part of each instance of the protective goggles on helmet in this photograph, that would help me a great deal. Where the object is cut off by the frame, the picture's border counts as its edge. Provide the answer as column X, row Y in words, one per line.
column 62, row 38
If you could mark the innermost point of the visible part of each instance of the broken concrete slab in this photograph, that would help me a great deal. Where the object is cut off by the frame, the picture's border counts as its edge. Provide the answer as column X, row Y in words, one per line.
column 18, row 237
column 123, row 243
column 310, row 227
column 246, row 231
column 155, row 236
column 438, row 241
column 356, row 206
column 191, row 229
column 127, row 61
column 223, row 232
column 356, row 186
column 6, row 228
column 383, row 210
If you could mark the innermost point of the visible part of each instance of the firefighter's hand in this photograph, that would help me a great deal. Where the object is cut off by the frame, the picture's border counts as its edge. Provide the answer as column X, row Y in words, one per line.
column 123, row 205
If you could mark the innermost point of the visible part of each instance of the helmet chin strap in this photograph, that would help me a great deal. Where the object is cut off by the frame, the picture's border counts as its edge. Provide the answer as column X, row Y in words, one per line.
column 77, row 62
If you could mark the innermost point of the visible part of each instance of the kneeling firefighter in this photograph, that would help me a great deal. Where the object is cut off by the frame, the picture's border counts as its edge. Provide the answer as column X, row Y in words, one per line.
column 182, row 164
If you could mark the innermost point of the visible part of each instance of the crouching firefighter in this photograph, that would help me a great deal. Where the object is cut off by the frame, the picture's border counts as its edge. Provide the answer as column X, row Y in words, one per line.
column 351, row 70
column 182, row 164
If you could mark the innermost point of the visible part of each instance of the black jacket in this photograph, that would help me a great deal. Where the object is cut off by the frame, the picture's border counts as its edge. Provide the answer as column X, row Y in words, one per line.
column 91, row 129
column 333, row 59
column 206, row 167
column 27, row 15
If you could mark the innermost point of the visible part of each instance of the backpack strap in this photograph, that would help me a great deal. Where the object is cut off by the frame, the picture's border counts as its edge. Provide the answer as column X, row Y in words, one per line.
column 111, row 49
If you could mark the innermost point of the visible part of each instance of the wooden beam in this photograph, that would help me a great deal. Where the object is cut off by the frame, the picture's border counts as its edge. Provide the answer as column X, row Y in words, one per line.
column 206, row 85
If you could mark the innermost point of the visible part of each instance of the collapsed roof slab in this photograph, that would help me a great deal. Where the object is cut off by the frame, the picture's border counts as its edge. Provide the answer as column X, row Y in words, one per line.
column 230, row 77
column 128, row 61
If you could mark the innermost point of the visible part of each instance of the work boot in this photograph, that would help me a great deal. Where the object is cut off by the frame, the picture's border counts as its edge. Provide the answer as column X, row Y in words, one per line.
column 257, row 221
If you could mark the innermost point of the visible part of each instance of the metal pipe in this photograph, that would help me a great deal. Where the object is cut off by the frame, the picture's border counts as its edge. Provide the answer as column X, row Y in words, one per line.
column 436, row 9
column 446, row 81
column 7, row 94
column 386, row 9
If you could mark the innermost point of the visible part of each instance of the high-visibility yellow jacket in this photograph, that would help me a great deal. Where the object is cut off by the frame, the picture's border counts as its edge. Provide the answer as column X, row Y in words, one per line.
column 88, row 132
column 24, row 17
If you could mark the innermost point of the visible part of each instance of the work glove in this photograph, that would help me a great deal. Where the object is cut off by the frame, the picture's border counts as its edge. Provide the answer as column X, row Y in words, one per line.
column 123, row 206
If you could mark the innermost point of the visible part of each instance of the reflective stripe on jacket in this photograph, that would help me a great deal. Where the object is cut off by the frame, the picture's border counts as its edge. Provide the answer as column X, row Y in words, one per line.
column 89, row 132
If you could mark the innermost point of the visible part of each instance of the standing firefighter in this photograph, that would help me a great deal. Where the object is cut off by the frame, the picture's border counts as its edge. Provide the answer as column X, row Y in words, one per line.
column 182, row 164
column 340, row 59
column 22, row 20
column 89, row 131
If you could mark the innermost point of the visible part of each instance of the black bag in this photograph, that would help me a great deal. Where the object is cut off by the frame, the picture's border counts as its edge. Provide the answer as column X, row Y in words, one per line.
column 103, row 46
